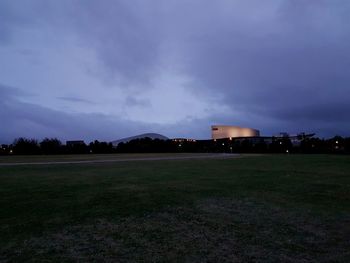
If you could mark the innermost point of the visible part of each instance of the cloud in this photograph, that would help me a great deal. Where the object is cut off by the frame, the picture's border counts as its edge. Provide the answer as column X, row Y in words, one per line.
column 283, row 64
column 22, row 119
column 276, row 65
column 132, row 102
column 75, row 99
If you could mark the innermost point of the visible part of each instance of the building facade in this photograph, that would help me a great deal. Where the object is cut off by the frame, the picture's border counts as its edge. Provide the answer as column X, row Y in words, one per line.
column 226, row 131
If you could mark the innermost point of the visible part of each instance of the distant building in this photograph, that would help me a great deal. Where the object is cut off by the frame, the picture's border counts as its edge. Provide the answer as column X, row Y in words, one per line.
column 183, row 140
column 282, row 135
column 225, row 131
column 152, row 136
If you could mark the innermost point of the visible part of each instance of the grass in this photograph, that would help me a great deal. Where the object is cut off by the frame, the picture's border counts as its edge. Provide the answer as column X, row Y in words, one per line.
column 269, row 208
column 83, row 157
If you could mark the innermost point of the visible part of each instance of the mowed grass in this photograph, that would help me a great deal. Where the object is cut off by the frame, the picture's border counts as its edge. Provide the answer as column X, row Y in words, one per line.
column 269, row 208
column 86, row 157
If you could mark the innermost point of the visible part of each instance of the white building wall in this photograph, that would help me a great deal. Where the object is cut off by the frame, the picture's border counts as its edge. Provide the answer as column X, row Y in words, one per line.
column 223, row 131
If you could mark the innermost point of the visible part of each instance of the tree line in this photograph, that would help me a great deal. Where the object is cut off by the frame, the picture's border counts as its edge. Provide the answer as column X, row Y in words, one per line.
column 25, row 146
column 337, row 144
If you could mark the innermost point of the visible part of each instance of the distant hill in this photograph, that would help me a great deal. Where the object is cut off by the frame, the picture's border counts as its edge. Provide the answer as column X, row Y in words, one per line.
column 141, row 136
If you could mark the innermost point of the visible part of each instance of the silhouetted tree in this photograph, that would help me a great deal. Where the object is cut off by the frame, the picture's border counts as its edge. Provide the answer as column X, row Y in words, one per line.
column 336, row 144
column 26, row 146
column 280, row 145
column 4, row 149
column 306, row 144
column 313, row 145
column 100, row 147
column 347, row 145
column 51, row 146
column 76, row 148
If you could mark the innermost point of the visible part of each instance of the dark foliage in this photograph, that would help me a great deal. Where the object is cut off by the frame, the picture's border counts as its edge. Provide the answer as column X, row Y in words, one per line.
column 100, row 147
column 25, row 146
column 336, row 145
column 80, row 148
column 5, row 149
column 51, row 146
column 145, row 145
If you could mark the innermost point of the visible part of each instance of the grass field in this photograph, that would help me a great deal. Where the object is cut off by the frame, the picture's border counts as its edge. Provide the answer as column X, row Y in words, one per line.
column 86, row 157
column 269, row 208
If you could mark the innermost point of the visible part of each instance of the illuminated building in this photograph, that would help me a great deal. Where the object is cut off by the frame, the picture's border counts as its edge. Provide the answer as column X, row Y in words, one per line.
column 225, row 131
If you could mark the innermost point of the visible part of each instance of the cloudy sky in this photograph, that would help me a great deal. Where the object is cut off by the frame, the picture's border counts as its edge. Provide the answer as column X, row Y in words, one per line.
column 108, row 69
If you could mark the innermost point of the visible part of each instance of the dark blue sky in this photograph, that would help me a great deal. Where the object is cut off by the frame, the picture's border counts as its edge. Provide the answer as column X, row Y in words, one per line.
column 109, row 69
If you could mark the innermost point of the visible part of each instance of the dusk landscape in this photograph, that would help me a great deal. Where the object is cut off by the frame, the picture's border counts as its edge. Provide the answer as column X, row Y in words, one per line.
column 174, row 131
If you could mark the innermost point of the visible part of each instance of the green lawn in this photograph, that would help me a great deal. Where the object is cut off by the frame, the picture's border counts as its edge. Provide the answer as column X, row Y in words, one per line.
column 83, row 157
column 272, row 208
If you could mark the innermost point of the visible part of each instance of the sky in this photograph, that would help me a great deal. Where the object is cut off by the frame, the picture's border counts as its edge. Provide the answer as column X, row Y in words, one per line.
column 86, row 69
